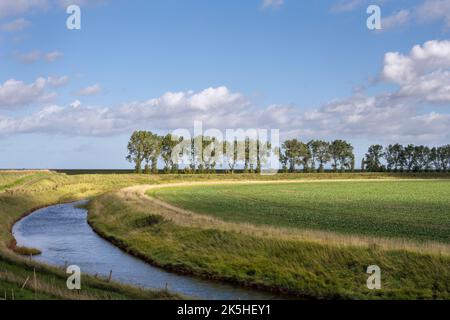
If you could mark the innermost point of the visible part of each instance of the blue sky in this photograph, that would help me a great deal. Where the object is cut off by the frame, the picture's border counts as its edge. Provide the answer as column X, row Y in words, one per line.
column 70, row 98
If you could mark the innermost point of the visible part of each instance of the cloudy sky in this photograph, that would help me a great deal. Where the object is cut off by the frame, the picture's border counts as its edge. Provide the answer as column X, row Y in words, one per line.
column 71, row 98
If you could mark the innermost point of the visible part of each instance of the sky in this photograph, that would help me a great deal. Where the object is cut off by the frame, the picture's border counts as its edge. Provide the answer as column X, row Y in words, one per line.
column 312, row 69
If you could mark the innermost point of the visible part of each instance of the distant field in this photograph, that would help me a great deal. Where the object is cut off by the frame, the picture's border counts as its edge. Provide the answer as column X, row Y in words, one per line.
column 417, row 210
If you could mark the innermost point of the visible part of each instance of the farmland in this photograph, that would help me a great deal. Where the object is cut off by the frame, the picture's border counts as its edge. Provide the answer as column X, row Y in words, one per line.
column 315, row 246
column 416, row 210
column 306, row 235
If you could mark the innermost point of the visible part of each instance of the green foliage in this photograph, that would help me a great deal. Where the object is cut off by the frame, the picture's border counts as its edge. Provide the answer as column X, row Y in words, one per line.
column 373, row 158
column 411, row 158
column 342, row 155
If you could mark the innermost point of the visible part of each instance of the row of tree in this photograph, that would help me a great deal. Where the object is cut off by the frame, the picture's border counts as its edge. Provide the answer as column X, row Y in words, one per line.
column 203, row 154
column 200, row 154
column 316, row 154
column 410, row 158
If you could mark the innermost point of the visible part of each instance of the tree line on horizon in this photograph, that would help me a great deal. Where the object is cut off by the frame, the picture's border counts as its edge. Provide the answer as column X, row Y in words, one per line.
column 409, row 158
column 145, row 149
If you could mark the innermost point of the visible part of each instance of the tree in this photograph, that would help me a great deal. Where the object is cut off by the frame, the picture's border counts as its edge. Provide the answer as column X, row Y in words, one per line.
column 444, row 157
column 136, row 149
column 284, row 161
column 373, row 158
column 394, row 157
column 235, row 152
column 251, row 157
column 168, row 143
column 320, row 152
column 341, row 153
column 212, row 147
column 408, row 157
column 264, row 152
column 193, row 150
column 297, row 153
column 435, row 158
column 152, row 150
column 422, row 159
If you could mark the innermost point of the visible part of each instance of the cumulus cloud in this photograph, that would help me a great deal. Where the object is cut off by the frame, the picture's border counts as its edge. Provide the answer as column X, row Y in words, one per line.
column 397, row 19
column 216, row 106
column 272, row 3
column 433, row 10
column 384, row 116
column 17, row 93
column 58, row 81
column 425, row 11
column 421, row 77
column 53, row 56
column 91, row 90
column 423, row 73
column 37, row 55
column 16, row 25
column 17, row 7
column 11, row 8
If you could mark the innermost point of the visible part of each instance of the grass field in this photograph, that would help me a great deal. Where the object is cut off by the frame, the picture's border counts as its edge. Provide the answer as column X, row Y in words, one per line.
column 417, row 210
column 273, row 253
column 249, row 238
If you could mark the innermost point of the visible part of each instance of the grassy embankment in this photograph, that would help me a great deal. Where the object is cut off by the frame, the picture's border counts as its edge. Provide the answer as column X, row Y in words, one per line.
column 312, row 239
column 21, row 192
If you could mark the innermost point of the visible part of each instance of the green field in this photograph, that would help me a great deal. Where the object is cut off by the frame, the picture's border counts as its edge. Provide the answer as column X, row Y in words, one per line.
column 254, row 234
column 417, row 210
column 264, row 246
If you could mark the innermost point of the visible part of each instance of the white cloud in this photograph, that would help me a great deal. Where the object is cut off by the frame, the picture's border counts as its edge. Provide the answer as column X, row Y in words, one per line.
column 272, row 3
column 36, row 55
column 17, row 93
column 16, row 25
column 11, row 8
column 81, row 3
column 424, row 73
column 346, row 5
column 53, row 56
column 91, row 90
column 397, row 19
column 29, row 57
column 384, row 116
column 425, row 11
column 434, row 10
column 422, row 77
column 17, row 7
column 58, row 81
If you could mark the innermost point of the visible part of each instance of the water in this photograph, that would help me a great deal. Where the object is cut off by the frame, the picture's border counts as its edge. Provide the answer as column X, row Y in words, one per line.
column 63, row 235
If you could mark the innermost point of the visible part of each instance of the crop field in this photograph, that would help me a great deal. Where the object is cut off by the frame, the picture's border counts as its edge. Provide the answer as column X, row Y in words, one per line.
column 418, row 210
column 306, row 238
column 311, row 237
